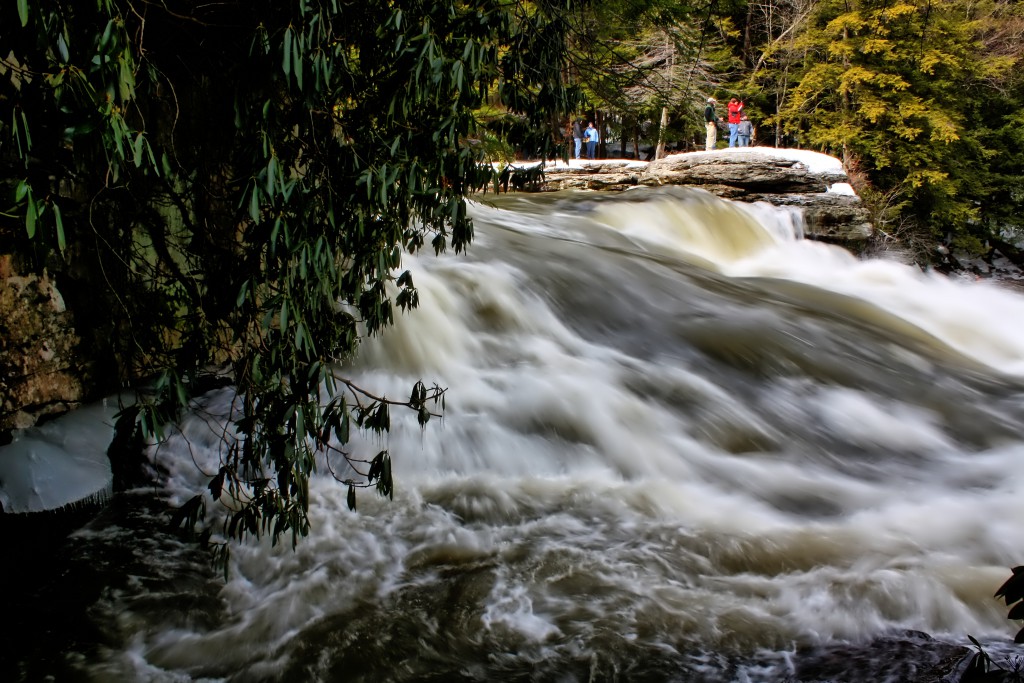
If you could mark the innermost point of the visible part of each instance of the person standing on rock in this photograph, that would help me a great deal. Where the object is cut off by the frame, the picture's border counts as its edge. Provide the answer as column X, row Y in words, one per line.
column 711, row 123
column 593, row 137
column 577, row 136
column 745, row 131
column 735, row 112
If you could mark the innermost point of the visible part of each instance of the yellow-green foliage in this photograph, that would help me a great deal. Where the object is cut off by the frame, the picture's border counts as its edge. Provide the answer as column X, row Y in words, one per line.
column 892, row 85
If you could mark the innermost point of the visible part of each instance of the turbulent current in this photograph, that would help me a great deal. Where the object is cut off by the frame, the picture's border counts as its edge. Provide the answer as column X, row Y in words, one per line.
column 681, row 443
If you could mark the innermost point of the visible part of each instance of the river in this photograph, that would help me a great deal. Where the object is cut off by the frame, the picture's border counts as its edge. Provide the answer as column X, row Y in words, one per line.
column 680, row 443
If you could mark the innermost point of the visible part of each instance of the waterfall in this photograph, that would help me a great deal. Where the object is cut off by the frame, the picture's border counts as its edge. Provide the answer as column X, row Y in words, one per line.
column 680, row 443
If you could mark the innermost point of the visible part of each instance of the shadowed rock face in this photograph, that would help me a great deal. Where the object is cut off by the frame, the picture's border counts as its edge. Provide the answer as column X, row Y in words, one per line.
column 750, row 176
column 39, row 375
column 827, row 216
column 911, row 656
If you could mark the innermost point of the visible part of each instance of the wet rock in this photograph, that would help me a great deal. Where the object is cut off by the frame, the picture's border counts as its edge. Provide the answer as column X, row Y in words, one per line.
column 827, row 216
column 907, row 657
column 610, row 175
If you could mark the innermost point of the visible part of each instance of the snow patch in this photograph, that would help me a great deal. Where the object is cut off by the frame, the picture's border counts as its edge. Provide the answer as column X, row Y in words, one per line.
column 61, row 463
column 842, row 188
column 815, row 162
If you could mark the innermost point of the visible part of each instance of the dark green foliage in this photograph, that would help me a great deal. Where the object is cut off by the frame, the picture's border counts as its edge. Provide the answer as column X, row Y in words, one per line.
column 982, row 669
column 640, row 60
column 1012, row 593
column 235, row 183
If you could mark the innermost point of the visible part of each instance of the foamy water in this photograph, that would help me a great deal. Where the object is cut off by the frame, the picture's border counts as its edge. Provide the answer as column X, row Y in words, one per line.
column 679, row 441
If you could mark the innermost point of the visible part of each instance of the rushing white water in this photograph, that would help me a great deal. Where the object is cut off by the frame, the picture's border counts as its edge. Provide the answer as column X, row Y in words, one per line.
column 681, row 443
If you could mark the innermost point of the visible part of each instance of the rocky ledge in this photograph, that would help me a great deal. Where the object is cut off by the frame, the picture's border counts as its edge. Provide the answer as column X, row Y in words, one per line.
column 812, row 181
column 39, row 373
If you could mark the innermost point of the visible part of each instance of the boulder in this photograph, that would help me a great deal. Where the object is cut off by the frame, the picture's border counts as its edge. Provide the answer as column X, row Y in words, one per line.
column 609, row 175
column 746, row 169
column 39, row 366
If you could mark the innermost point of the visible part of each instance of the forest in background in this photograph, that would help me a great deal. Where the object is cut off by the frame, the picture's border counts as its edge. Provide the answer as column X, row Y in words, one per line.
column 921, row 100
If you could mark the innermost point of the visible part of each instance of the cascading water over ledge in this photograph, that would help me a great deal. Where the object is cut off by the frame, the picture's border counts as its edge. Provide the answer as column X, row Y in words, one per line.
column 665, row 456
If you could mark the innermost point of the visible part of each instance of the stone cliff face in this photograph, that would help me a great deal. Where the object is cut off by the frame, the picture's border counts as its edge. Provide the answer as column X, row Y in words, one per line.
column 41, row 368
column 749, row 174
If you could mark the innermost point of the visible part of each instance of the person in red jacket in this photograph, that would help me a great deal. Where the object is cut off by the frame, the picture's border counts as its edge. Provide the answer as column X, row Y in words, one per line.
column 735, row 114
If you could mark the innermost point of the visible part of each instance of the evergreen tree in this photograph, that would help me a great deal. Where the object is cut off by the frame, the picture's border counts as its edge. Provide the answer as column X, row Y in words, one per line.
column 895, row 89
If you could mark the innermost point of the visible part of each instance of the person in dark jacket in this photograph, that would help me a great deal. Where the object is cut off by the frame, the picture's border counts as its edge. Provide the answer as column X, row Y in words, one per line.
column 711, row 123
column 744, row 131
column 577, row 136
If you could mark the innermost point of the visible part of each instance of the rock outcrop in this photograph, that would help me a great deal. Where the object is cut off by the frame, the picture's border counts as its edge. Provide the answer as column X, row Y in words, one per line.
column 748, row 170
column 40, row 373
column 614, row 175
column 781, row 177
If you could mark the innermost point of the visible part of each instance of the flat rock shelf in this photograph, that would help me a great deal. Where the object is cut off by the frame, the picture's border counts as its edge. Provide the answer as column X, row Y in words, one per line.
column 814, row 182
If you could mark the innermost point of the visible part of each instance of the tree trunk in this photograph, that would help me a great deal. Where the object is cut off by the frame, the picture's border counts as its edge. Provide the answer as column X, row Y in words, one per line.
column 659, row 153
column 622, row 138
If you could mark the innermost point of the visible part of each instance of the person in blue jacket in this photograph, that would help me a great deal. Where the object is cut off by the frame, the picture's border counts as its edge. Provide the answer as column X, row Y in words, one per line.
column 744, row 131
column 592, row 137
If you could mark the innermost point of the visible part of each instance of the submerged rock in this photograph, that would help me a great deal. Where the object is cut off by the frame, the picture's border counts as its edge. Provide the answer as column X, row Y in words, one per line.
column 908, row 657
